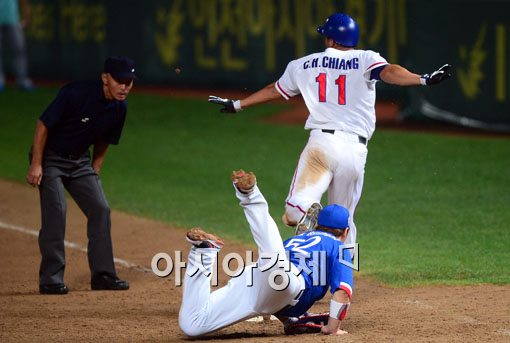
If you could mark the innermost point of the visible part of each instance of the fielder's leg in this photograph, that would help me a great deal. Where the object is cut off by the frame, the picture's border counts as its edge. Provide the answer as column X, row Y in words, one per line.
column 203, row 312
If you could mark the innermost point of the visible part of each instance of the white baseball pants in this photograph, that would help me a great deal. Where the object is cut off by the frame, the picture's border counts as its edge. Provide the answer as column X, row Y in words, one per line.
column 329, row 162
column 204, row 312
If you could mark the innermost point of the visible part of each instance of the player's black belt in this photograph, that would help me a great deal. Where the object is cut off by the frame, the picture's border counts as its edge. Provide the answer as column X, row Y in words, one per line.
column 361, row 139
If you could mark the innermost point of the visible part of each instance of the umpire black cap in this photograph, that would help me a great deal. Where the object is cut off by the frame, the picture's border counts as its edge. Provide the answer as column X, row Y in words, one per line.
column 120, row 68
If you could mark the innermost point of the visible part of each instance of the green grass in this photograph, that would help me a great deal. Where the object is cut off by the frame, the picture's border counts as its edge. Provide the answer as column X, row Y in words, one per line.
column 434, row 208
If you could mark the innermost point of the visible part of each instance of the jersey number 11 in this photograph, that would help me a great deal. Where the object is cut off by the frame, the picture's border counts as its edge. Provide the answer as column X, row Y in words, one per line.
column 340, row 82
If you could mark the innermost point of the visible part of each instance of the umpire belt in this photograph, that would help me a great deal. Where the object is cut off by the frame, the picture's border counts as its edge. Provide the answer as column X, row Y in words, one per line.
column 361, row 139
column 66, row 156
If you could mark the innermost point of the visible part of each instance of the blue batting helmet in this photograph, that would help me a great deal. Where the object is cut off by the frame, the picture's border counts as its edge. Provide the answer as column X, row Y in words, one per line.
column 341, row 28
column 334, row 216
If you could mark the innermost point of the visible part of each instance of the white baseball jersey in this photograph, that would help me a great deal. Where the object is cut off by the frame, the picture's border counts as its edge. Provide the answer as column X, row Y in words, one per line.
column 336, row 87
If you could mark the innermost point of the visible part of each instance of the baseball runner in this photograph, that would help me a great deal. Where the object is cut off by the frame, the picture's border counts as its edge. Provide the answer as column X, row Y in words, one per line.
column 313, row 266
column 338, row 87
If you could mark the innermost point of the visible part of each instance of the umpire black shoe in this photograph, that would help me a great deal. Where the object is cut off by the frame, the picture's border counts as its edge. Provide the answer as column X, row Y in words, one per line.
column 56, row 288
column 108, row 283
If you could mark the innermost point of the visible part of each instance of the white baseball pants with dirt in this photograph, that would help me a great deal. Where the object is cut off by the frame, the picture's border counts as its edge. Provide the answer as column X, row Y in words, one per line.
column 329, row 162
column 203, row 312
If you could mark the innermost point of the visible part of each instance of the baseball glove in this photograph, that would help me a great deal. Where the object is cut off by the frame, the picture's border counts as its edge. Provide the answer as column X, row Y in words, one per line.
column 243, row 181
column 307, row 323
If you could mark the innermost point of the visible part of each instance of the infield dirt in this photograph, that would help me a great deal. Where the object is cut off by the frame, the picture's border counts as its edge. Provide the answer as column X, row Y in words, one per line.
column 149, row 310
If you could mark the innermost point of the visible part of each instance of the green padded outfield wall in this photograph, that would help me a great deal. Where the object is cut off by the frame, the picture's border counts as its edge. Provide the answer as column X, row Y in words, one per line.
column 245, row 44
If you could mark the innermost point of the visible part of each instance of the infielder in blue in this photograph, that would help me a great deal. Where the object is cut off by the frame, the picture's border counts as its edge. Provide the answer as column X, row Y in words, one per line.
column 321, row 256
column 286, row 280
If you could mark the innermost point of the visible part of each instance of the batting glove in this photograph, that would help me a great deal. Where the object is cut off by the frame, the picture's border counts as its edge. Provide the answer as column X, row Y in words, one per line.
column 229, row 106
column 437, row 76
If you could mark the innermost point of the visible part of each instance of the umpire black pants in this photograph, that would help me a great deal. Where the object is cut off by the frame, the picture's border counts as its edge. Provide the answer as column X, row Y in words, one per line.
column 83, row 184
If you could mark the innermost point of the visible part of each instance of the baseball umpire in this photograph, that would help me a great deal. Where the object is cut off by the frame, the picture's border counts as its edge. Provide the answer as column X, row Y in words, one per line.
column 284, row 286
column 83, row 114
column 338, row 87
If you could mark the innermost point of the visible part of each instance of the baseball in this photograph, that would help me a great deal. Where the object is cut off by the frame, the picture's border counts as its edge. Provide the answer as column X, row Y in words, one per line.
column 177, row 70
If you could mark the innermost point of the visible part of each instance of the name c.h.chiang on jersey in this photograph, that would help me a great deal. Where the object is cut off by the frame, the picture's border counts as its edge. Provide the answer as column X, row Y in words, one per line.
column 332, row 63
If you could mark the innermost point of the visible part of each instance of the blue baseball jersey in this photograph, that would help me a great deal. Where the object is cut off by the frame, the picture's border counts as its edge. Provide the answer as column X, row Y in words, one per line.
column 319, row 256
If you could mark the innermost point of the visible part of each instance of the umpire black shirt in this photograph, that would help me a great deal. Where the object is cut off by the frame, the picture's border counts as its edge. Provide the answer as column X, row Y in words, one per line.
column 80, row 116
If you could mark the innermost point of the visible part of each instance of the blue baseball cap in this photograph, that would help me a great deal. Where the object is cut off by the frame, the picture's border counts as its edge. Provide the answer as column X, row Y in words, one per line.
column 121, row 68
column 334, row 216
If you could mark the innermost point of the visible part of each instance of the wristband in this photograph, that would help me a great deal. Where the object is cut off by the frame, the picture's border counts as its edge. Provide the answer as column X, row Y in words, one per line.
column 423, row 80
column 237, row 105
column 338, row 310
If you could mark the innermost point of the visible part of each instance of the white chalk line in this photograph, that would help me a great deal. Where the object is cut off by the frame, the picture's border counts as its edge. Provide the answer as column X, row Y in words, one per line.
column 261, row 319
column 72, row 245
column 78, row 247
